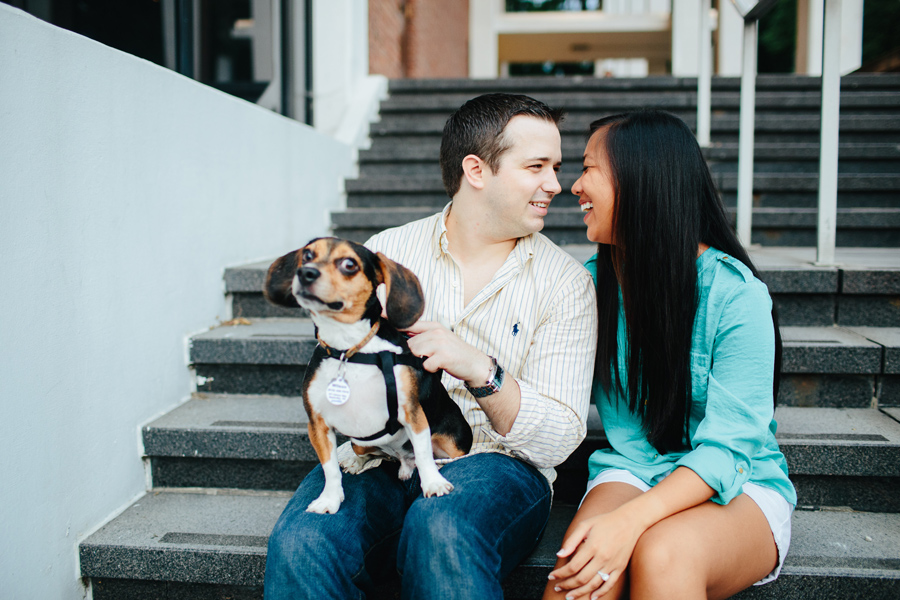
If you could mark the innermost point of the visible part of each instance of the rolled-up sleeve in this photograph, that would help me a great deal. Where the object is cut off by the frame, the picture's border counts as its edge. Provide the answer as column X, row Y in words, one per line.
column 739, row 404
column 555, row 379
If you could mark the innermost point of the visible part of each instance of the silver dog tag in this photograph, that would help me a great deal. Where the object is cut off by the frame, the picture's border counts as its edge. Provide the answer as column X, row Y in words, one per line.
column 338, row 391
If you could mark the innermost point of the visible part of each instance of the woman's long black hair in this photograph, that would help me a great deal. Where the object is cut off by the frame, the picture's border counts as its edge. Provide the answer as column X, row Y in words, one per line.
column 666, row 204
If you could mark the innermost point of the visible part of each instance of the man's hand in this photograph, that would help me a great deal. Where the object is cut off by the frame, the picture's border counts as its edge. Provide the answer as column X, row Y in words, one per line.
column 444, row 349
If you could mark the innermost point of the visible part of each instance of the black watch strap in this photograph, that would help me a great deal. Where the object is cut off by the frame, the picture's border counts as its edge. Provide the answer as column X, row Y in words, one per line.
column 495, row 382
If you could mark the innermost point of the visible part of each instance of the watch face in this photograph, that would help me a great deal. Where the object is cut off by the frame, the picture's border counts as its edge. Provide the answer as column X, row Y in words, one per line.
column 497, row 383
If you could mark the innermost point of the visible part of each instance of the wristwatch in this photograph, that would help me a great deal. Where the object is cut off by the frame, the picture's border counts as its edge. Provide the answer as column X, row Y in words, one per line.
column 494, row 381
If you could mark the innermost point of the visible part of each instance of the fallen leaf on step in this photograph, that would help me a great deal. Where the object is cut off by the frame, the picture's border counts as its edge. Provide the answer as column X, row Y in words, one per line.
column 234, row 322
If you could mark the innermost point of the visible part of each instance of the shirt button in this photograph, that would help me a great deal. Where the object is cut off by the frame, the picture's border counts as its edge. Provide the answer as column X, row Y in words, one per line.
column 740, row 469
column 656, row 456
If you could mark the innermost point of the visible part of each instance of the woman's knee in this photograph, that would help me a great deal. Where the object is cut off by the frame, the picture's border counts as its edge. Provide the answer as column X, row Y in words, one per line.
column 660, row 561
column 655, row 553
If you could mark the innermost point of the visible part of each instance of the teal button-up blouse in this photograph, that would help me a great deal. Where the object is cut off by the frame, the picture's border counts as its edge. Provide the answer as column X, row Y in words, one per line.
column 731, row 424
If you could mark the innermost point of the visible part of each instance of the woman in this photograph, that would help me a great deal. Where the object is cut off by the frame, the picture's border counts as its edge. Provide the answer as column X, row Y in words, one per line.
column 693, row 499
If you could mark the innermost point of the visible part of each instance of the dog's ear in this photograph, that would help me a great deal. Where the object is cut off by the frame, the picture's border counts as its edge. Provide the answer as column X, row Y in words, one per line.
column 405, row 300
column 279, row 280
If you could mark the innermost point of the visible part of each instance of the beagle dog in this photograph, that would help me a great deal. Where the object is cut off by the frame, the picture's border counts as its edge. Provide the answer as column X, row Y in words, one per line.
column 362, row 379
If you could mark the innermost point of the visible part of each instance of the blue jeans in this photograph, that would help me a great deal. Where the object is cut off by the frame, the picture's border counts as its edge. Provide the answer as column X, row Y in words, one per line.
column 460, row 545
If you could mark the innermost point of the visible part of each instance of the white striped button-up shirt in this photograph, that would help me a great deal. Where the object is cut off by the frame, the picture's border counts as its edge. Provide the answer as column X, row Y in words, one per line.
column 537, row 317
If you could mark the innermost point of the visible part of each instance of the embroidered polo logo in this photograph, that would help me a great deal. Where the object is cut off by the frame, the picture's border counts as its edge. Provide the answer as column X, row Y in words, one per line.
column 515, row 329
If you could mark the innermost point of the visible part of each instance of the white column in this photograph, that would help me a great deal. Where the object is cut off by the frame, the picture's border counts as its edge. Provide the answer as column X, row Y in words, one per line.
column 810, row 15
column 746, row 139
column 814, row 14
column 828, row 145
column 265, row 45
column 704, row 101
column 685, row 51
column 728, row 49
column 483, row 44
column 851, row 35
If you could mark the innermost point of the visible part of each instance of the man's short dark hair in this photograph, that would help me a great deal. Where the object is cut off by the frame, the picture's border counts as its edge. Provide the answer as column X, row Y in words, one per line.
column 477, row 128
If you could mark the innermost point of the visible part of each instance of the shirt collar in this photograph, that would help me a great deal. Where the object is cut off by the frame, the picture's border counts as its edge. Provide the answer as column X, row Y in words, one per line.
column 440, row 243
column 523, row 250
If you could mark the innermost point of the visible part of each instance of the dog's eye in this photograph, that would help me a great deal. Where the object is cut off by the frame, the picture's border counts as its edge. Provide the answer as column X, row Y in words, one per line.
column 307, row 255
column 348, row 266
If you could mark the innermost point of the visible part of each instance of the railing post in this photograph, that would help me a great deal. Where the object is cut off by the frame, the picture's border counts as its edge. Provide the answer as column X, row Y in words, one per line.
column 828, row 141
column 184, row 37
column 746, row 133
column 704, row 76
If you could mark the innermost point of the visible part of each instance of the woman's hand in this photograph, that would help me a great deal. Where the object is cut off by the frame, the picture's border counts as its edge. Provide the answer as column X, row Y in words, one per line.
column 604, row 543
column 599, row 549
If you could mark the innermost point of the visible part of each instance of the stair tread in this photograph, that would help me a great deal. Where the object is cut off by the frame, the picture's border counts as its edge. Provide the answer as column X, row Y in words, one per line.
column 283, row 341
column 587, row 100
column 579, row 99
column 853, row 82
column 569, row 216
column 889, row 338
column 772, row 261
column 219, row 536
column 835, row 441
column 726, row 182
column 272, row 341
column 427, row 150
column 240, row 413
column 577, row 122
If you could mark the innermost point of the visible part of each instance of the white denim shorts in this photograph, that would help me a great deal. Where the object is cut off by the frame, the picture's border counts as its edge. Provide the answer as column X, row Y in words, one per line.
column 777, row 510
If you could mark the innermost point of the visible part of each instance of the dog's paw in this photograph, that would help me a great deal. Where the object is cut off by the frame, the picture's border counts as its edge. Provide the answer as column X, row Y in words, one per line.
column 326, row 503
column 355, row 464
column 436, row 487
column 406, row 469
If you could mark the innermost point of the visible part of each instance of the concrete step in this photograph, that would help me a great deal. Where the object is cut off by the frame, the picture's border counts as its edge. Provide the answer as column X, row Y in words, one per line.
column 588, row 100
column 795, row 200
column 863, row 289
column 881, row 127
column 837, row 456
column 822, row 366
column 772, row 226
column 804, row 163
column 425, row 185
column 530, row 85
column 398, row 150
column 212, row 543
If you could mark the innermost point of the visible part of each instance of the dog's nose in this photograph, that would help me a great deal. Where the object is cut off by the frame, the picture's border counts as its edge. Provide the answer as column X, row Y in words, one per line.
column 308, row 274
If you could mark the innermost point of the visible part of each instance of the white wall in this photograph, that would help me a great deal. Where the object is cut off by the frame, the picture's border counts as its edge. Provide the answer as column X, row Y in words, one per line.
column 125, row 189
column 345, row 97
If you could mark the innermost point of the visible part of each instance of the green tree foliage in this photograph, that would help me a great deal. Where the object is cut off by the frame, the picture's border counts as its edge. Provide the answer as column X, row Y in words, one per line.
column 778, row 38
column 881, row 24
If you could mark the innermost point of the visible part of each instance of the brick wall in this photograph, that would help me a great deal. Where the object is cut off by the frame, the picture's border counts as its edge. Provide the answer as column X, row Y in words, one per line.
column 419, row 38
column 387, row 25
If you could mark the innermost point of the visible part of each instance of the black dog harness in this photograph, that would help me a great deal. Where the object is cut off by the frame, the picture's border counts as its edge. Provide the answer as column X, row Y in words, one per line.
column 385, row 360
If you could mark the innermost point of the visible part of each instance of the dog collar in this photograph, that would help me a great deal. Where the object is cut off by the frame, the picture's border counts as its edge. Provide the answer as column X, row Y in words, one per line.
column 346, row 354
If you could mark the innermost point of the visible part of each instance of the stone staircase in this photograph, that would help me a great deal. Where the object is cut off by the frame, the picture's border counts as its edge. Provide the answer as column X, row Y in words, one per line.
column 224, row 464
column 400, row 177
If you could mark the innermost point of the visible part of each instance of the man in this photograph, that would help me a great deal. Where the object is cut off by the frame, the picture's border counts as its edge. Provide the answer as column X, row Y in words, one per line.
column 511, row 319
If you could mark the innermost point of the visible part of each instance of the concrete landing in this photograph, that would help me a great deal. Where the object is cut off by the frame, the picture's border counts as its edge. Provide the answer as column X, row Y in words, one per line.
column 219, row 537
